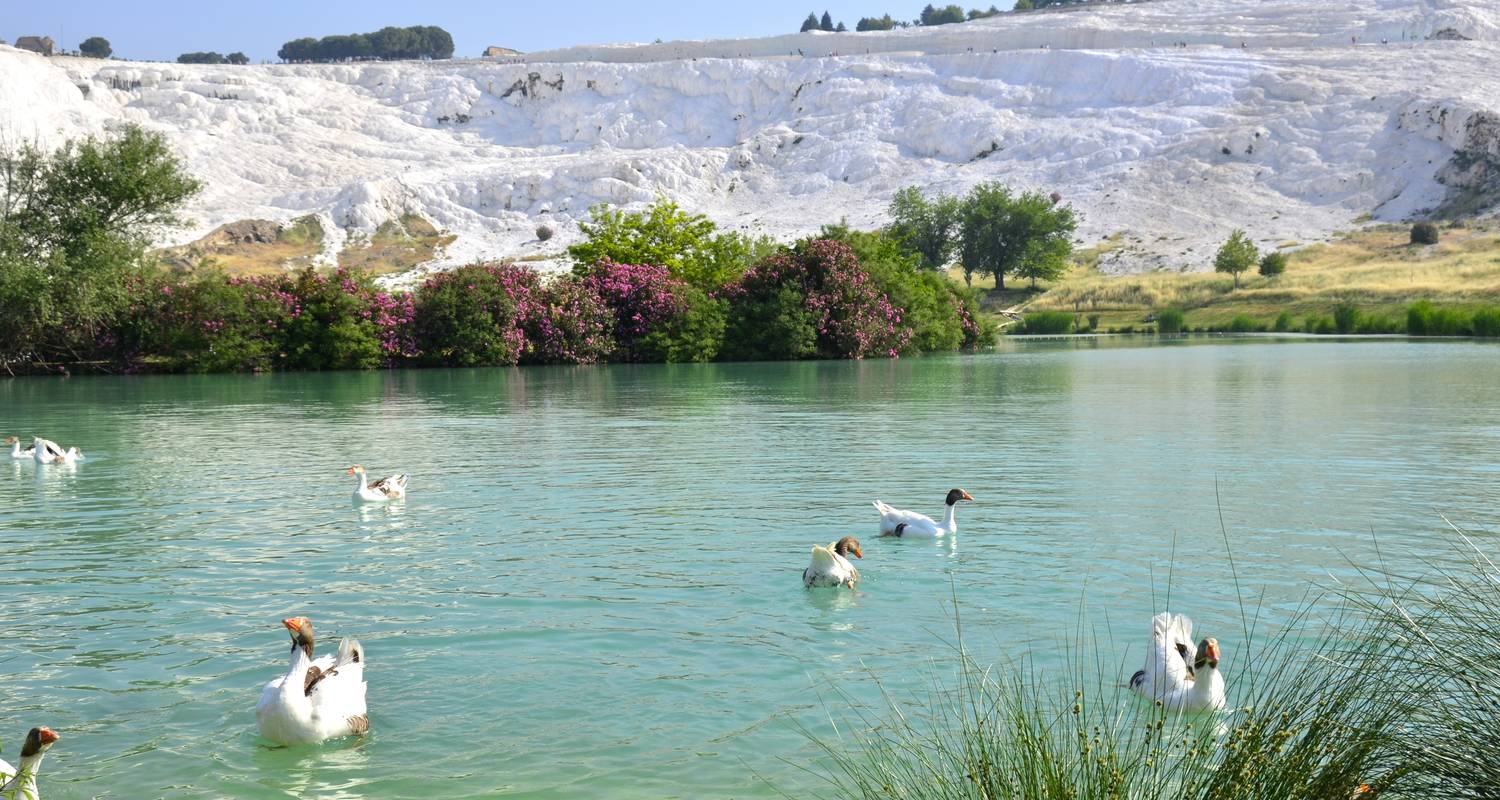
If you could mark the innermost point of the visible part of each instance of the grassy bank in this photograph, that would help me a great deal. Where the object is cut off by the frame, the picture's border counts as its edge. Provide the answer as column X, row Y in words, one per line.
column 1375, row 270
column 1387, row 689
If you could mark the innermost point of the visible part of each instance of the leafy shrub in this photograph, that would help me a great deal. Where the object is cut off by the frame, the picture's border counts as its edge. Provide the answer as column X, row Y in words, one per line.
column 1283, row 323
column 543, row 233
column 1047, row 323
column 214, row 323
column 1093, row 322
column 1346, row 318
column 688, row 245
column 343, row 322
column 656, row 316
column 696, row 333
column 74, row 227
column 1377, row 323
column 1236, row 255
column 813, row 299
column 1486, row 322
column 1243, row 323
column 1169, row 320
column 572, row 325
column 1273, row 264
column 476, row 315
column 1424, row 233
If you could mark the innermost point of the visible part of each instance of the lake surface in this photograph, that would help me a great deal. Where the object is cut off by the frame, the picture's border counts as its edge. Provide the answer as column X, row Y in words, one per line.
column 593, row 589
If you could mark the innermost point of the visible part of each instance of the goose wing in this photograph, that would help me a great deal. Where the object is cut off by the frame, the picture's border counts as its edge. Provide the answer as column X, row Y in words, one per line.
column 339, row 695
column 394, row 486
column 919, row 524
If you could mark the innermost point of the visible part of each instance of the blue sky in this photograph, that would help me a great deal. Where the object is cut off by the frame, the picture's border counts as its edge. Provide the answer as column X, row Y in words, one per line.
column 161, row 29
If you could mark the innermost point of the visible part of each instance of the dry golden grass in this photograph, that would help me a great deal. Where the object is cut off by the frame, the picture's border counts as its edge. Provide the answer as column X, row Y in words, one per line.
column 397, row 246
column 250, row 247
column 1374, row 268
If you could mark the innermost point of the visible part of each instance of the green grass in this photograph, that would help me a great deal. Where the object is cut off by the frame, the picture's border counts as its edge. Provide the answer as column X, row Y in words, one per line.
column 1375, row 269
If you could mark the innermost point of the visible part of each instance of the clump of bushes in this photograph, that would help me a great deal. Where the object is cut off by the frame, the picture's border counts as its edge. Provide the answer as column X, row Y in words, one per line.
column 1169, row 320
column 1243, row 323
column 1346, row 318
column 1283, row 323
column 476, row 316
column 813, row 300
column 1273, row 264
column 1048, row 323
column 1425, row 319
column 1424, row 233
column 544, row 232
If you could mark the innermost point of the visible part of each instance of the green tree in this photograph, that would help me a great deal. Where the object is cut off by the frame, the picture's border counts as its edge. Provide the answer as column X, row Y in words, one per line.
column 1024, row 5
column 1027, row 235
column 95, row 47
column 237, row 58
column 840, row 28
column 826, row 23
column 883, row 23
column 1237, row 255
column 201, row 58
column 1273, row 264
column 928, row 228
column 688, row 245
column 74, row 228
column 811, row 23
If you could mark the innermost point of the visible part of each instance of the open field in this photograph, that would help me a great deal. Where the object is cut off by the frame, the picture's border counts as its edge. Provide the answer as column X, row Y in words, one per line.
column 1375, row 269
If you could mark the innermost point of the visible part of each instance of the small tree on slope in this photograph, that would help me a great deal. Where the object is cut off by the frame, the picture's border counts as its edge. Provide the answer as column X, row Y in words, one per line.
column 1237, row 255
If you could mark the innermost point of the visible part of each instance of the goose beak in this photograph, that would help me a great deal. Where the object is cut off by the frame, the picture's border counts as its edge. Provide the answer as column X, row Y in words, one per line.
column 294, row 624
column 858, row 553
column 48, row 737
column 968, row 497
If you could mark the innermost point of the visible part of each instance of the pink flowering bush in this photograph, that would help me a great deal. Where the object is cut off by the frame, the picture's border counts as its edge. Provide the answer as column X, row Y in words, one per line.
column 571, row 325
column 477, row 315
column 217, row 323
column 812, row 301
column 657, row 317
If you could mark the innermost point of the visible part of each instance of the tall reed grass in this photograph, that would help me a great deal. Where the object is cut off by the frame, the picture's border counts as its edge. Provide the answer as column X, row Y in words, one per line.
column 1389, row 689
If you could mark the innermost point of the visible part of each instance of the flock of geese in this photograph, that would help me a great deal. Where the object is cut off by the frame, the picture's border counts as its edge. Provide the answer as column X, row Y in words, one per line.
column 320, row 698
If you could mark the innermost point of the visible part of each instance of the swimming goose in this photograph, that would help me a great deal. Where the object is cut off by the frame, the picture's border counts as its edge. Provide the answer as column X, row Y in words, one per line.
column 315, row 700
column 920, row 525
column 830, row 565
column 392, row 488
column 15, row 448
column 21, row 782
column 46, row 451
column 1170, row 676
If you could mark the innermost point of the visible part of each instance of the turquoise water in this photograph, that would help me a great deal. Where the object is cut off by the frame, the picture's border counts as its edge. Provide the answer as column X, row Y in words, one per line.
column 593, row 589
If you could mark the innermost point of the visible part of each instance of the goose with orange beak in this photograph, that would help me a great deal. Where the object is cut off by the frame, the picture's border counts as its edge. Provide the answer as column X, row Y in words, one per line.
column 921, row 526
column 20, row 781
column 15, row 449
column 1176, row 675
column 381, row 491
column 831, row 566
column 315, row 700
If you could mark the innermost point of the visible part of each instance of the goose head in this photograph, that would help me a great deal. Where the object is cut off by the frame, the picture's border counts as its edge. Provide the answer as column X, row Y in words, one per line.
column 1208, row 655
column 848, row 545
column 301, row 630
column 12, row 440
column 955, row 495
column 355, row 470
column 37, row 742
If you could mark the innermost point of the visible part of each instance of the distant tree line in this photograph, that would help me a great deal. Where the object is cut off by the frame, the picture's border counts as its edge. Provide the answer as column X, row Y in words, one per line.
column 211, row 57
column 825, row 23
column 386, row 44
column 930, row 15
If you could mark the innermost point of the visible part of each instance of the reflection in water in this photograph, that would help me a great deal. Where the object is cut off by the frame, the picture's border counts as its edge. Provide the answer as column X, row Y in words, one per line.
column 596, row 578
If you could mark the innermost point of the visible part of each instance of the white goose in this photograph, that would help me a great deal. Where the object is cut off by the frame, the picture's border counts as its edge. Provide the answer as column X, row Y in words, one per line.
column 315, row 700
column 831, row 566
column 920, row 525
column 1170, row 676
column 16, row 451
column 46, row 451
column 383, row 490
column 20, row 782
